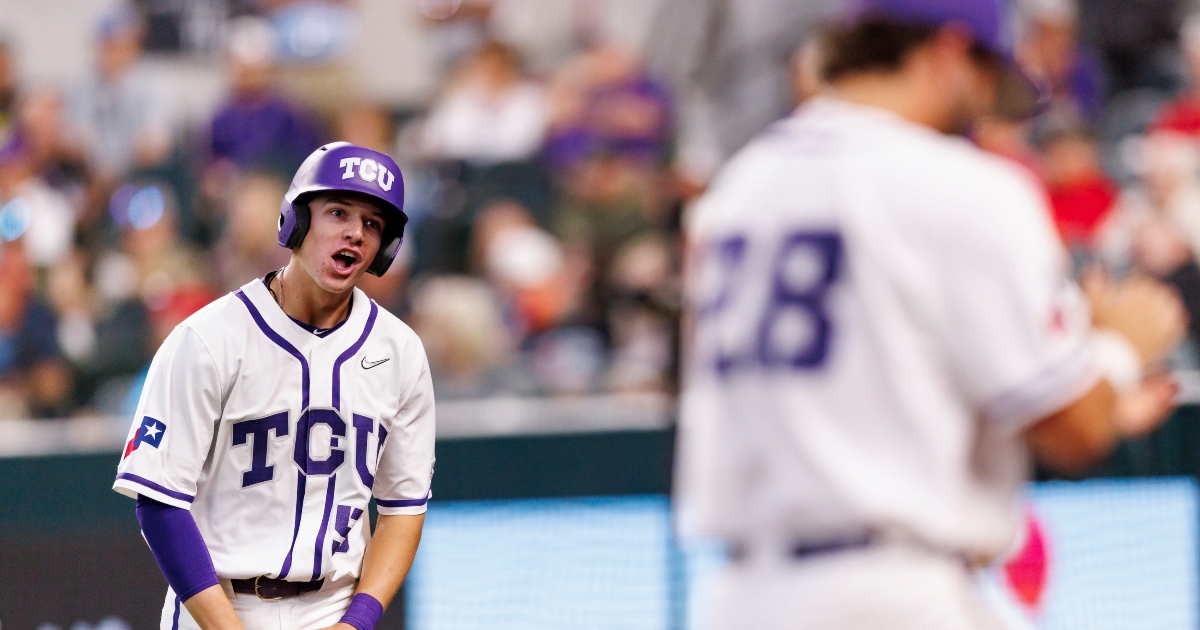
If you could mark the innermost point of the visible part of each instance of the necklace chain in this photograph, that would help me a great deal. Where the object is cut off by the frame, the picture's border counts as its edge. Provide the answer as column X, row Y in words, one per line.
column 278, row 298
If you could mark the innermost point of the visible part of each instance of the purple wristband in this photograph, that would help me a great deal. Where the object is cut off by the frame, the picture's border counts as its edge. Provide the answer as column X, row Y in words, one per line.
column 364, row 612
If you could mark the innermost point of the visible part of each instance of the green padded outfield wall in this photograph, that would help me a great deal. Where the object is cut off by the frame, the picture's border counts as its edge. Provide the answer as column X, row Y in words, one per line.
column 70, row 549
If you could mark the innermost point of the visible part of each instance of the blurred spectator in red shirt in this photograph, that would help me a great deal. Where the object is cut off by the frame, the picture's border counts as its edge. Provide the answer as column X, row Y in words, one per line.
column 148, row 285
column 1081, row 195
column 173, row 280
column 1182, row 115
column 34, row 379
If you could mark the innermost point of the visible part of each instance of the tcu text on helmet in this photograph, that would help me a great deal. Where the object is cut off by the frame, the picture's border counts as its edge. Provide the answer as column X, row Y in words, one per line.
column 368, row 170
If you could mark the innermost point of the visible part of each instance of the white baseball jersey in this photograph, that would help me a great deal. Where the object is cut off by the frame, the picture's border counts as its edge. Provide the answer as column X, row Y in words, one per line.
column 276, row 438
column 877, row 311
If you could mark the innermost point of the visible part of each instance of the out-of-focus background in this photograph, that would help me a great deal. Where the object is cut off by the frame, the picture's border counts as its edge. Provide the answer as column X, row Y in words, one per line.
column 549, row 150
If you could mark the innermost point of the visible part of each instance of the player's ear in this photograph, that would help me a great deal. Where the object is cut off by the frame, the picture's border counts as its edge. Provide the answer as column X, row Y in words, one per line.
column 947, row 51
column 954, row 38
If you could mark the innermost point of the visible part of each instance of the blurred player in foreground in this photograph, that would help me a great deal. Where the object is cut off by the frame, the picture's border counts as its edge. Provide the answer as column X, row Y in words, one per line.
column 272, row 417
column 882, row 326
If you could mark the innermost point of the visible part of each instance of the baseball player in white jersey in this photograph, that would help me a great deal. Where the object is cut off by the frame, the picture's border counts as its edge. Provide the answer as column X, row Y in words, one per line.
column 272, row 417
column 881, row 326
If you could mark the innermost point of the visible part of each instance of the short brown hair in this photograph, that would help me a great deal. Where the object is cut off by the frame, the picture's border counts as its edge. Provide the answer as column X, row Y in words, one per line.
column 879, row 45
column 869, row 45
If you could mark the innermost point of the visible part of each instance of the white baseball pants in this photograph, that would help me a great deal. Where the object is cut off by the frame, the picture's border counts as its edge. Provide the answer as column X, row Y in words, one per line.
column 874, row 588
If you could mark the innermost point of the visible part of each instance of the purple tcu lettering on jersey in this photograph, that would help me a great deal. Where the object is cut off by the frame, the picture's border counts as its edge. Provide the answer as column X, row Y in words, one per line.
column 346, row 517
column 260, row 429
column 337, row 456
column 363, row 427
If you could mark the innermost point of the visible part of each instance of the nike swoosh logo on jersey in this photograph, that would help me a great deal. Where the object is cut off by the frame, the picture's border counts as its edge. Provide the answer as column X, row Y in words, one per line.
column 368, row 365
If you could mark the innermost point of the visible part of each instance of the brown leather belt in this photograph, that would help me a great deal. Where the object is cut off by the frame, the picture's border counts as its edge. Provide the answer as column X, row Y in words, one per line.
column 271, row 589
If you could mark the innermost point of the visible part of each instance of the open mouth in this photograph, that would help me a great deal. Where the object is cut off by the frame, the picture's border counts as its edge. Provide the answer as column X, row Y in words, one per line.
column 344, row 260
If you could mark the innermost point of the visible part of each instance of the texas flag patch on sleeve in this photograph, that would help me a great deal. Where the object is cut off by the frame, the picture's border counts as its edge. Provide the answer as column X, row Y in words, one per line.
column 149, row 432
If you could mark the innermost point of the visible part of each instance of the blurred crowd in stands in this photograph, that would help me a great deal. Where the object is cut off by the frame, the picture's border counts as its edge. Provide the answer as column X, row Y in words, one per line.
column 542, row 254
column 544, row 250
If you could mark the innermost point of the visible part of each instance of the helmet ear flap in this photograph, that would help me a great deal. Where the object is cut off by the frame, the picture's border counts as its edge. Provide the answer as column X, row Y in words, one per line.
column 293, row 237
column 302, row 219
column 383, row 259
column 392, row 238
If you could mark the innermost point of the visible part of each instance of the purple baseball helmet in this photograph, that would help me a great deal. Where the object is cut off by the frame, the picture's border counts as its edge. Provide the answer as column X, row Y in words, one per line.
column 351, row 168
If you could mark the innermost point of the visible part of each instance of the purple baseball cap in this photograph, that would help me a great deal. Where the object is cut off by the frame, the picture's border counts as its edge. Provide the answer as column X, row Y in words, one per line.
column 1020, row 95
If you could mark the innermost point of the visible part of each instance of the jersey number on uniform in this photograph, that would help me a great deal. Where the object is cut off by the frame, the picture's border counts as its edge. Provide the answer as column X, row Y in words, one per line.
column 792, row 326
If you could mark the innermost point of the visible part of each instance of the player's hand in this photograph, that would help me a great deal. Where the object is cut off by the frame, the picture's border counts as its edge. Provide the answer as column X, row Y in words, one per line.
column 1144, row 311
column 1143, row 409
column 340, row 626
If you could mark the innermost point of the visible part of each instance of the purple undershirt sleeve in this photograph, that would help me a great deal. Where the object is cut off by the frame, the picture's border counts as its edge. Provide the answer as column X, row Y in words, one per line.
column 177, row 546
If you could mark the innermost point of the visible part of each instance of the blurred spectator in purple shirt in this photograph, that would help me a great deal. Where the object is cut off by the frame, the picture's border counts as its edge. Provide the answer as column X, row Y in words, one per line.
column 604, row 102
column 1049, row 46
column 258, row 128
